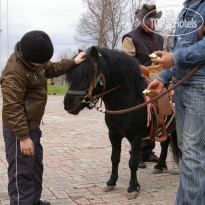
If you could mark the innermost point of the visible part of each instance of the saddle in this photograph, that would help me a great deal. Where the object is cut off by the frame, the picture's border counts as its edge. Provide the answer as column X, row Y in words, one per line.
column 161, row 119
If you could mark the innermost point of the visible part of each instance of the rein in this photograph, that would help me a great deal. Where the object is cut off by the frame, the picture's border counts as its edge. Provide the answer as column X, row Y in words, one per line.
column 201, row 34
column 106, row 92
column 153, row 99
column 100, row 78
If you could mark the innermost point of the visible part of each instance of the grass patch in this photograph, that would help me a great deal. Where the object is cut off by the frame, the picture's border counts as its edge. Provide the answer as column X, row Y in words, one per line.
column 57, row 89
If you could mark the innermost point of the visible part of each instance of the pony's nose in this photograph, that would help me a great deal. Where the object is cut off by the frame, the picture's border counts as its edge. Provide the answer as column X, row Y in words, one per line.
column 65, row 107
column 67, row 103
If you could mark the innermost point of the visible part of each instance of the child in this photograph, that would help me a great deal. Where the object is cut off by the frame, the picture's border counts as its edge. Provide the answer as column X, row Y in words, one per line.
column 24, row 89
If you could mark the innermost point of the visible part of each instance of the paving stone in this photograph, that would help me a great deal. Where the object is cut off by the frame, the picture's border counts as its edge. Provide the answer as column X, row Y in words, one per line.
column 79, row 193
column 112, row 197
column 77, row 163
column 5, row 202
column 4, row 195
column 63, row 202
column 2, row 188
column 81, row 201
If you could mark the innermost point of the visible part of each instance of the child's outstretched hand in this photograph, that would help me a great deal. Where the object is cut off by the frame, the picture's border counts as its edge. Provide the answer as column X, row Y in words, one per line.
column 79, row 58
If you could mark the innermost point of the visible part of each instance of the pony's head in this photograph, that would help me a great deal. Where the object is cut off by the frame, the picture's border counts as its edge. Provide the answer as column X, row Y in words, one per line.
column 82, row 83
column 102, row 70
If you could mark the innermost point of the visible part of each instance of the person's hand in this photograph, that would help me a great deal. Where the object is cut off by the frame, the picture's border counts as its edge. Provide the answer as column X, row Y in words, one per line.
column 79, row 58
column 166, row 61
column 156, row 86
column 27, row 146
column 143, row 67
column 144, row 70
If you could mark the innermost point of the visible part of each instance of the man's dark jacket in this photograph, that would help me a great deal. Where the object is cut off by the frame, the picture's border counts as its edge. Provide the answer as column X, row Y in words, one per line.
column 145, row 44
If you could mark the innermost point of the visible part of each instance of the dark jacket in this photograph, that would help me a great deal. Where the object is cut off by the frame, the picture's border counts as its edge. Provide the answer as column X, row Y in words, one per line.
column 145, row 44
column 24, row 90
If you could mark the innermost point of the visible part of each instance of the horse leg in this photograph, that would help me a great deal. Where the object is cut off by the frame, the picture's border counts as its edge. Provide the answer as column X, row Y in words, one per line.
column 116, row 141
column 161, row 164
column 134, row 186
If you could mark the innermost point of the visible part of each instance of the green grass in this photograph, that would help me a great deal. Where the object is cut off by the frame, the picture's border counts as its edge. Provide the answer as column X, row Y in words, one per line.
column 57, row 89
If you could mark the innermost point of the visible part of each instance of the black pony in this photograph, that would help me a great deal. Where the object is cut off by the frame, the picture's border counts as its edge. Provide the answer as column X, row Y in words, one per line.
column 121, row 73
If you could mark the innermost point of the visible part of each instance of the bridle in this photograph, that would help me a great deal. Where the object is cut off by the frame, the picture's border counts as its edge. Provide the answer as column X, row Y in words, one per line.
column 90, row 99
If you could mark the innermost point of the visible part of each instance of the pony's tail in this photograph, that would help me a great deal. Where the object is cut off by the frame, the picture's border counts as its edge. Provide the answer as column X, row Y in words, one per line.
column 177, row 155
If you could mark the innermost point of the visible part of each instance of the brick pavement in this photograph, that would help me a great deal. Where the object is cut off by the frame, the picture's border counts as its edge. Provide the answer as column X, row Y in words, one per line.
column 77, row 163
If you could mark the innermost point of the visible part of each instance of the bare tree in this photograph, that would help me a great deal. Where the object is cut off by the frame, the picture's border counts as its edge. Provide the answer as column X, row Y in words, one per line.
column 168, row 40
column 69, row 53
column 166, row 27
column 105, row 21
column 117, row 21
column 102, row 23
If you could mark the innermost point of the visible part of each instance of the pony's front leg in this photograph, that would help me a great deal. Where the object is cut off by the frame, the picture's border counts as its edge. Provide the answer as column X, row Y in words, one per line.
column 161, row 164
column 134, row 186
column 116, row 141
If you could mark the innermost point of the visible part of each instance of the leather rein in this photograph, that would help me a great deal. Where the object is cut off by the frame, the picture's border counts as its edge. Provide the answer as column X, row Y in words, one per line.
column 153, row 99
column 99, row 77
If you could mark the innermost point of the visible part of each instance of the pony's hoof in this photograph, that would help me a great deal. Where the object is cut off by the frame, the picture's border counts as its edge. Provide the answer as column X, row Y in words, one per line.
column 108, row 188
column 132, row 195
column 156, row 171
column 158, row 168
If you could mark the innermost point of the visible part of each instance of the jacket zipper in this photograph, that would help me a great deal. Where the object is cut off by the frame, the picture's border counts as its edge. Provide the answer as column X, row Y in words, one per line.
column 41, row 73
column 35, row 76
column 43, row 79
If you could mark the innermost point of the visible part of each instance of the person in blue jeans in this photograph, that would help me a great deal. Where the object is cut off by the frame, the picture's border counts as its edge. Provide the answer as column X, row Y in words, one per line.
column 187, row 51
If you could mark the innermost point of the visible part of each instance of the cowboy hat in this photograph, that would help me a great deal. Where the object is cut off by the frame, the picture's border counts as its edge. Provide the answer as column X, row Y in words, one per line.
column 148, row 13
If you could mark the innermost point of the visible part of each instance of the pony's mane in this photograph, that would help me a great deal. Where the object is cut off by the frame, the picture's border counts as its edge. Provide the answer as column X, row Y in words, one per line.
column 81, row 72
column 116, row 66
column 120, row 66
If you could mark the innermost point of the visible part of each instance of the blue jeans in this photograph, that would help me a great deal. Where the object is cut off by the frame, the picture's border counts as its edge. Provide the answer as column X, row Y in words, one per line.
column 190, row 125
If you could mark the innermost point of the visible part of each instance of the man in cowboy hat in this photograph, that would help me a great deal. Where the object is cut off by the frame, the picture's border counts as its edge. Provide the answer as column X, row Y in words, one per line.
column 140, row 43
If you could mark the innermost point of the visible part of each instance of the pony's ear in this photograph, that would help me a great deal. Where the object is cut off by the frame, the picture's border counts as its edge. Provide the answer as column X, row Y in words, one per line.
column 79, row 50
column 94, row 52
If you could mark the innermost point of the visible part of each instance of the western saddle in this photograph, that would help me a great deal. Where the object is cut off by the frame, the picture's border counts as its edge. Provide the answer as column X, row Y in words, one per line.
column 161, row 119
